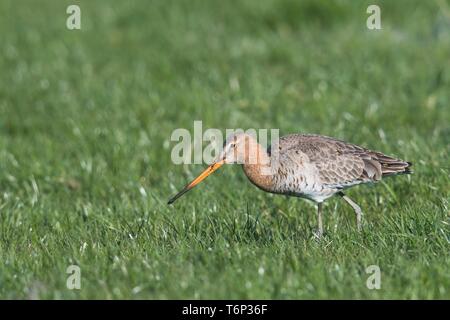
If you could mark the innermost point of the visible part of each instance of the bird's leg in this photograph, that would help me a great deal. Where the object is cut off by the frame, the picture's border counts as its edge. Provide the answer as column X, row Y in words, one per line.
column 355, row 207
column 319, row 220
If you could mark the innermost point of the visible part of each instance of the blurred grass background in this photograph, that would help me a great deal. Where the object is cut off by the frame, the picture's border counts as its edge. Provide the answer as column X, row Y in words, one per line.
column 85, row 170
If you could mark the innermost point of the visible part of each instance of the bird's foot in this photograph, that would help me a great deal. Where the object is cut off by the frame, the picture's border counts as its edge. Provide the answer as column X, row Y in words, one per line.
column 318, row 234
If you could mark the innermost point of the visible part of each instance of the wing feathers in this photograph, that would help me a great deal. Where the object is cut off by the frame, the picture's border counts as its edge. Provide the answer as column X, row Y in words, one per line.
column 342, row 163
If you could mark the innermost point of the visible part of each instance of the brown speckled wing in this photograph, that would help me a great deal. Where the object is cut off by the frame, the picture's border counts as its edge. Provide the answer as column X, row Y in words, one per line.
column 339, row 164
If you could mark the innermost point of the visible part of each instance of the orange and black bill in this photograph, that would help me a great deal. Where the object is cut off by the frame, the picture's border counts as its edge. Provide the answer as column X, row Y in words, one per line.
column 197, row 180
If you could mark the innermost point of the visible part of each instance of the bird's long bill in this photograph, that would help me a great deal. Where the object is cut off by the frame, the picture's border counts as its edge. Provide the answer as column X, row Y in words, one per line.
column 197, row 180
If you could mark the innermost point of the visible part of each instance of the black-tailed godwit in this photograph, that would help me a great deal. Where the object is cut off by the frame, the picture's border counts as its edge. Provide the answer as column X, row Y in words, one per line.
column 309, row 166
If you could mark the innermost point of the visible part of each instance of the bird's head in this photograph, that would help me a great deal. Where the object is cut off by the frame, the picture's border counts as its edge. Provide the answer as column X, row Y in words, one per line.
column 238, row 148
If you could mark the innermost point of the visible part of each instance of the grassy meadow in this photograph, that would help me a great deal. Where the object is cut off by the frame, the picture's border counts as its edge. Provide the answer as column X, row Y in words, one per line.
column 86, row 118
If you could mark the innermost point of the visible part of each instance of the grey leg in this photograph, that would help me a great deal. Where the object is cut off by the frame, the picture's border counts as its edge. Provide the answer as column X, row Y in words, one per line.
column 319, row 220
column 355, row 207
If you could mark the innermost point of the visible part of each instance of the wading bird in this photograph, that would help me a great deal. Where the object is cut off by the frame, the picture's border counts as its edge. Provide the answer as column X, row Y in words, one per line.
column 309, row 166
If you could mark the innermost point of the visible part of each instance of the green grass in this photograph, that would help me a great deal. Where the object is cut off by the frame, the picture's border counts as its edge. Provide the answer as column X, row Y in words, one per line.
column 85, row 170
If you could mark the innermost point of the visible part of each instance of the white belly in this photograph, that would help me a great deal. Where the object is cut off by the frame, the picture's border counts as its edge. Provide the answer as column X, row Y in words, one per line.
column 305, row 184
